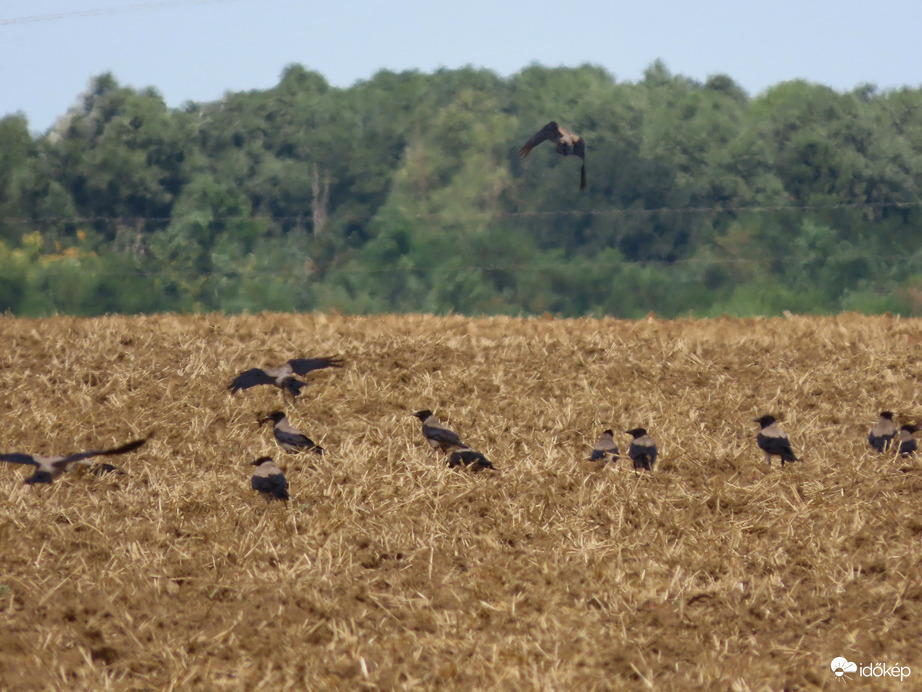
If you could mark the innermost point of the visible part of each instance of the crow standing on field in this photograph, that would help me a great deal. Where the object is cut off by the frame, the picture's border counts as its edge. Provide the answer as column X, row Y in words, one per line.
column 642, row 450
column 283, row 376
column 289, row 439
column 882, row 434
column 908, row 444
column 49, row 468
column 605, row 448
column 269, row 480
column 471, row 459
column 437, row 435
column 566, row 143
column 773, row 441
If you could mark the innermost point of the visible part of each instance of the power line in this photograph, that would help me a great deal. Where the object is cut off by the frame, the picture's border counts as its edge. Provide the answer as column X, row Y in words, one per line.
column 99, row 11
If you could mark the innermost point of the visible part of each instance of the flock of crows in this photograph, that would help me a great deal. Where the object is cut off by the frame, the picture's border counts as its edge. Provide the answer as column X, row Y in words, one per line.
column 269, row 480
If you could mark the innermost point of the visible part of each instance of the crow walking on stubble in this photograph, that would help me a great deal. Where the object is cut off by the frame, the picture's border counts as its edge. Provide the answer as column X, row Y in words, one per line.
column 269, row 480
column 289, row 438
column 437, row 435
column 773, row 441
column 283, row 376
column 908, row 444
column 566, row 142
column 883, row 432
column 49, row 468
column 605, row 448
column 642, row 450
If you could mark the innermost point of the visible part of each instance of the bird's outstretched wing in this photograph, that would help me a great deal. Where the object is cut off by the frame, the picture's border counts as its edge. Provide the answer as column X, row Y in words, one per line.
column 250, row 378
column 302, row 366
column 122, row 449
column 19, row 459
column 549, row 131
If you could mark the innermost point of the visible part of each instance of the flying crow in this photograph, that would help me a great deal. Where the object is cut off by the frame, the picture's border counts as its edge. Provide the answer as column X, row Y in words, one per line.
column 566, row 142
column 882, row 434
column 289, row 439
column 642, row 450
column 437, row 435
column 283, row 377
column 49, row 468
column 605, row 448
column 269, row 480
column 470, row 459
column 908, row 444
column 773, row 441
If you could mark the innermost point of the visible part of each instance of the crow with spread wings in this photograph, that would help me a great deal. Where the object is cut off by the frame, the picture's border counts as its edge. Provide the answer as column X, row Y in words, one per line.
column 49, row 468
column 567, row 143
column 283, row 376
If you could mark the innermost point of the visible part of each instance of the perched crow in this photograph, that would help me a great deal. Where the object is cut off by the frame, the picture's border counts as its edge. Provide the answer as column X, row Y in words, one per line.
column 289, row 439
column 269, row 480
column 49, row 468
column 283, row 377
column 566, row 142
column 642, row 450
column 471, row 459
column 773, row 442
column 907, row 442
column 437, row 435
column 882, row 434
column 605, row 448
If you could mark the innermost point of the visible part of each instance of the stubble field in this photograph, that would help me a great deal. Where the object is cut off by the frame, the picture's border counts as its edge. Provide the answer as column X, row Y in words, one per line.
column 389, row 570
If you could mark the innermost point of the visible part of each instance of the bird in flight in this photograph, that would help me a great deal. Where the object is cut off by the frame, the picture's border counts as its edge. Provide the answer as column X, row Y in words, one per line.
column 290, row 439
column 49, row 468
column 567, row 143
column 283, row 376
column 269, row 480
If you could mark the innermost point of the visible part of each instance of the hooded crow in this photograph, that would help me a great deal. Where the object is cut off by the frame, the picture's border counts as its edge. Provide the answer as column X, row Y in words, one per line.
column 283, row 376
column 642, row 450
column 470, row 459
column 773, row 441
column 908, row 444
column 269, row 480
column 289, row 439
column 566, row 142
column 882, row 434
column 49, row 468
column 437, row 435
column 605, row 448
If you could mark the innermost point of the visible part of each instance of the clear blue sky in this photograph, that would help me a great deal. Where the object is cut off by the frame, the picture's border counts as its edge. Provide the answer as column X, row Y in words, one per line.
column 199, row 49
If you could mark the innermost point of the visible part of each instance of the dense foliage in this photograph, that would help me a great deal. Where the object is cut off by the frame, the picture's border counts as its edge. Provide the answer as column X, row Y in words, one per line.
column 405, row 193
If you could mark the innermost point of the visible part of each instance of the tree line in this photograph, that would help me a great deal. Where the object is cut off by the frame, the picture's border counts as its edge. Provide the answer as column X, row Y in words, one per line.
column 405, row 193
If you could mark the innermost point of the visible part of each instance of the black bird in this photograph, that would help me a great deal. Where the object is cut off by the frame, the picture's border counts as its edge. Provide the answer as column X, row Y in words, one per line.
column 882, row 434
column 642, row 450
column 49, row 468
column 290, row 439
column 773, row 441
column 471, row 459
column 908, row 444
column 437, row 435
column 283, row 376
column 566, row 142
column 605, row 448
column 269, row 480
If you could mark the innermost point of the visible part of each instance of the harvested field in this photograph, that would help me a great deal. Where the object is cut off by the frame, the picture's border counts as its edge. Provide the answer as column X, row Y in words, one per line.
column 388, row 570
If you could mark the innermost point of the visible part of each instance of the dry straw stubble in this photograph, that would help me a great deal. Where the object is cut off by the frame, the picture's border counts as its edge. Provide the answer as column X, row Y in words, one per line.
column 390, row 570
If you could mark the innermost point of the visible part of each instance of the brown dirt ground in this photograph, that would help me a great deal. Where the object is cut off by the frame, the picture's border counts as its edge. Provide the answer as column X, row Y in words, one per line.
column 388, row 570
